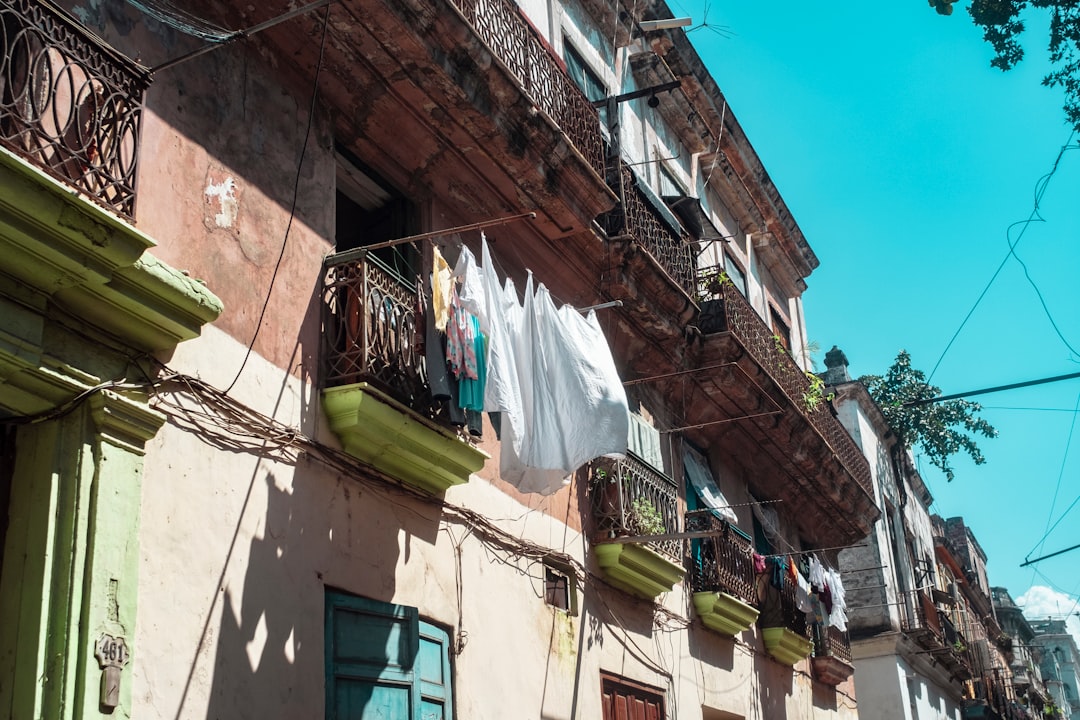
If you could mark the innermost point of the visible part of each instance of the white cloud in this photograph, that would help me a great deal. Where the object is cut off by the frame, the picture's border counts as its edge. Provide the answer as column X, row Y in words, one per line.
column 1040, row 602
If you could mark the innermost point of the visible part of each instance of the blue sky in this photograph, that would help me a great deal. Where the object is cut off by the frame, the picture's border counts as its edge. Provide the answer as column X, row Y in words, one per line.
column 905, row 158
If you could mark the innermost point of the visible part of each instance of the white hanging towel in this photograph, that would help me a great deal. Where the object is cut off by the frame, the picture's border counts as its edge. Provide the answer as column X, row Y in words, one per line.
column 551, row 373
column 471, row 295
column 838, row 617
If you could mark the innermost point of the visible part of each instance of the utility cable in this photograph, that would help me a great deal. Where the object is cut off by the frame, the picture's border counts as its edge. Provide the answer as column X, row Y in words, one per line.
column 1040, row 190
column 1061, row 474
column 292, row 205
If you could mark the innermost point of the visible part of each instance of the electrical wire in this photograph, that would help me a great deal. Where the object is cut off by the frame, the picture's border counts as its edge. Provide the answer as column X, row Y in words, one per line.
column 178, row 19
column 295, row 195
column 1040, row 190
column 1057, row 488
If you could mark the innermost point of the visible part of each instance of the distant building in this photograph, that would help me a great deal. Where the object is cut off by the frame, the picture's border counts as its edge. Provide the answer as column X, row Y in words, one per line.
column 924, row 638
column 1022, row 654
column 1060, row 664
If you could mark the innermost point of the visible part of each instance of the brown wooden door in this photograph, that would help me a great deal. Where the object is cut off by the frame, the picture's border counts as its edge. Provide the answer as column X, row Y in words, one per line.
column 624, row 700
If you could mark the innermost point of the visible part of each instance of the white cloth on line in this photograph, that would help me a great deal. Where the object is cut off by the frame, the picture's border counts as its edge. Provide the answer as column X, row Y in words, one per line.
column 550, row 371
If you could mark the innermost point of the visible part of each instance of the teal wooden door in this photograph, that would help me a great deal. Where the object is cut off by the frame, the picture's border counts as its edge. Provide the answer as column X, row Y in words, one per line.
column 383, row 663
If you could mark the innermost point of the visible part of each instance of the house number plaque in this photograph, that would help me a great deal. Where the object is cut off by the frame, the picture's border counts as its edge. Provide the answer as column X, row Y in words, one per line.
column 112, row 654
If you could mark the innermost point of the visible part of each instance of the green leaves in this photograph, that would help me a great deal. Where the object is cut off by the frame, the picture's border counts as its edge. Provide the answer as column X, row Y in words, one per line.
column 1002, row 28
column 940, row 429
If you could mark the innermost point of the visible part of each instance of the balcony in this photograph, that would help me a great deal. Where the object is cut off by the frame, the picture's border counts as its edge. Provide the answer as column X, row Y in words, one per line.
column 832, row 655
column 722, row 575
column 651, row 270
column 376, row 392
column 783, row 626
column 631, row 499
column 812, row 459
column 502, row 27
column 934, row 631
column 69, row 104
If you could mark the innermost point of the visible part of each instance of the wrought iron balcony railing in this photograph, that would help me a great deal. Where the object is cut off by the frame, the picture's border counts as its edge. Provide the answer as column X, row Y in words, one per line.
column 724, row 563
column 726, row 310
column 69, row 104
column 831, row 642
column 371, row 332
column 636, row 217
column 630, row 498
column 503, row 28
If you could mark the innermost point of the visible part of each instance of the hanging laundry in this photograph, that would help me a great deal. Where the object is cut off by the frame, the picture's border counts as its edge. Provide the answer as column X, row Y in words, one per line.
column 838, row 616
column 471, row 293
column 440, row 289
column 802, row 594
column 817, row 574
column 461, row 341
column 551, row 374
column 759, row 564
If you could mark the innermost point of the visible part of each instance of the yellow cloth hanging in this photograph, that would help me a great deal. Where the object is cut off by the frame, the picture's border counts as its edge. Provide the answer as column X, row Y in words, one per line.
column 440, row 289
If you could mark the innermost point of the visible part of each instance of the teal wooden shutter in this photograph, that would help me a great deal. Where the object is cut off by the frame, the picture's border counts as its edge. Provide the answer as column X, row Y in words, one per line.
column 382, row 663
column 434, row 674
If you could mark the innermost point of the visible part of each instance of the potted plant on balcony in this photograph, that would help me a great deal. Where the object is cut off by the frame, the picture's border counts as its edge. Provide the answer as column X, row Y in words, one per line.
column 630, row 564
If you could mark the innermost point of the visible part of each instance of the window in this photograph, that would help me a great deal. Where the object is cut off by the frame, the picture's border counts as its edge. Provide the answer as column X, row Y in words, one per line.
column 582, row 75
column 368, row 211
column 735, row 273
column 560, row 588
column 383, row 661
column 626, row 700
column 780, row 328
column 669, row 184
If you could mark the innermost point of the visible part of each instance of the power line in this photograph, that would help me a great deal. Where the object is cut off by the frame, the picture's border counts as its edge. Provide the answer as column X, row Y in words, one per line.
column 996, row 388
column 1040, row 190
column 295, row 195
column 1057, row 488
column 1047, row 557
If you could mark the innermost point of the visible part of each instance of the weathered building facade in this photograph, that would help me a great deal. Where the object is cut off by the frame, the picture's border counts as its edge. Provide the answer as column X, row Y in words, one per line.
column 230, row 486
column 925, row 639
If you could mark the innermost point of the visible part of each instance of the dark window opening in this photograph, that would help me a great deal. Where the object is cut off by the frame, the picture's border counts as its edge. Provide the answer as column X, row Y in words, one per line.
column 780, row 329
column 369, row 211
column 557, row 589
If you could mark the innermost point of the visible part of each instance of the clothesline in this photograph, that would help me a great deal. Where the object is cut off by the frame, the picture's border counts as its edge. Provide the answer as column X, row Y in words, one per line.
column 360, row 252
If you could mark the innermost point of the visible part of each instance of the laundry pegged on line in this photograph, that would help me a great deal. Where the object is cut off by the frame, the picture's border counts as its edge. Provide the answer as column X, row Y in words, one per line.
column 550, row 374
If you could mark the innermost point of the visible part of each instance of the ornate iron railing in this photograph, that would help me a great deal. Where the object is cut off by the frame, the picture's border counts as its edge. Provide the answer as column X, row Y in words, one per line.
column 371, row 332
column 69, row 103
column 637, row 217
column 832, row 642
column 724, row 563
column 503, row 28
column 630, row 498
column 794, row 618
column 726, row 310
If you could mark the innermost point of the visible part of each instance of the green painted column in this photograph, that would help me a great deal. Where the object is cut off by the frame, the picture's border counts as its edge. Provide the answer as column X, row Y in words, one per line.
column 72, row 559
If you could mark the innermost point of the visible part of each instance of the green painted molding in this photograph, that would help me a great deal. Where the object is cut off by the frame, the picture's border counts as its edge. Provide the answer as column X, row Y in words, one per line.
column 93, row 264
column 787, row 646
column 724, row 613
column 637, row 569
column 375, row 428
column 123, row 422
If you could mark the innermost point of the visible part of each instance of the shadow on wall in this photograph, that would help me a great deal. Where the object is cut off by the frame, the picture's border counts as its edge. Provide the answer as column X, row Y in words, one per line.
column 775, row 686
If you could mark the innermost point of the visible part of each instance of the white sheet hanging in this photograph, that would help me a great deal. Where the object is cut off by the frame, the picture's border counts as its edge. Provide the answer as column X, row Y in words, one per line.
column 551, row 373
